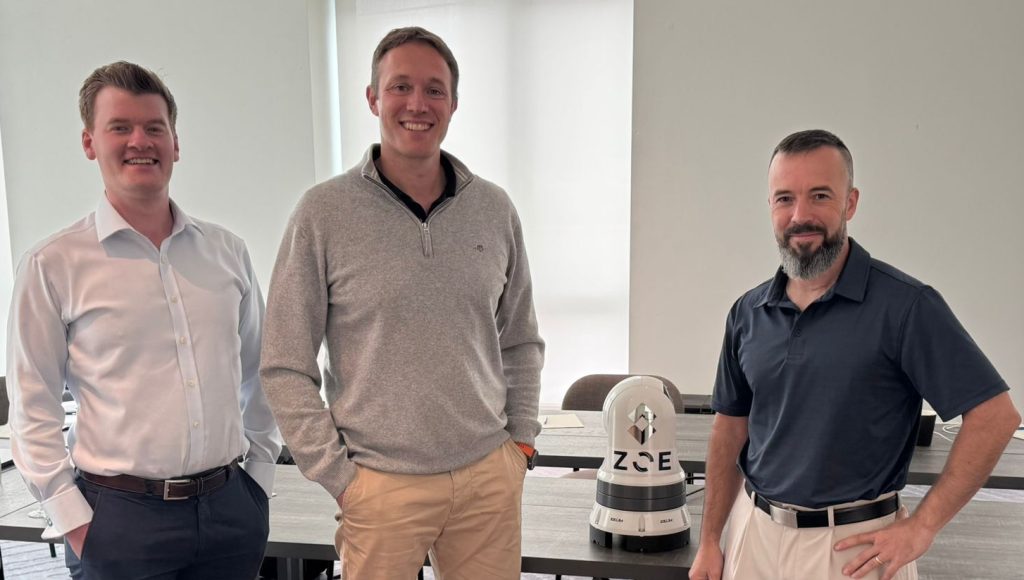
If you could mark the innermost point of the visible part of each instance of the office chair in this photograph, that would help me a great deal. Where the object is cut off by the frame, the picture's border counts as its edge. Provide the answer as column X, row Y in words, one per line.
column 5, row 401
column 588, row 392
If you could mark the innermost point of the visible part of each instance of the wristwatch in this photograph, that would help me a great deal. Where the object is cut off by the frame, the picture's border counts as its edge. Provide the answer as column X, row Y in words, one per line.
column 530, row 453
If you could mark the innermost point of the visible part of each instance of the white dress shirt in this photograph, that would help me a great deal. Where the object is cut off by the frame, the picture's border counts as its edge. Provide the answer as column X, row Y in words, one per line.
column 159, row 347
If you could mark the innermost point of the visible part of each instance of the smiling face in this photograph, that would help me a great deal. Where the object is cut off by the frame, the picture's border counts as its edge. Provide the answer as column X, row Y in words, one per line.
column 811, row 200
column 413, row 99
column 132, row 140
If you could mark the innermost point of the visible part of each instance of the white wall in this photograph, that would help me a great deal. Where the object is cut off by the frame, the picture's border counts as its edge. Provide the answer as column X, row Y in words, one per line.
column 544, row 111
column 239, row 70
column 6, row 279
column 927, row 94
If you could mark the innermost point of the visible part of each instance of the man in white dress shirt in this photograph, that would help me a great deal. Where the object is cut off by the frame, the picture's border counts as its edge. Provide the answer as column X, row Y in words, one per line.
column 152, row 320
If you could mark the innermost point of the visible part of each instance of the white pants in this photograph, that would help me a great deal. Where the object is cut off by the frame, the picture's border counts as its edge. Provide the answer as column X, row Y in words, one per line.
column 757, row 548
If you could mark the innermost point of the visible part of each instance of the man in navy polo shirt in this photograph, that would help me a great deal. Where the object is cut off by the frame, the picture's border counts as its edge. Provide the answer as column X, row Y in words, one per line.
column 820, row 384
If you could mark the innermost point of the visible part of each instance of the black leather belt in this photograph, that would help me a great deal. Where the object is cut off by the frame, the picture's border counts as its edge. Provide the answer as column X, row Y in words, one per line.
column 819, row 518
column 168, row 489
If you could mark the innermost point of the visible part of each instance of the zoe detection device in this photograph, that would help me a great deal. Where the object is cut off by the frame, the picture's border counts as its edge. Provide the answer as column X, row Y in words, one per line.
column 641, row 488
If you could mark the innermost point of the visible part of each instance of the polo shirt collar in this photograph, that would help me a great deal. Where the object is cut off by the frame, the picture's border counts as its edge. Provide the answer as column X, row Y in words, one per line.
column 775, row 292
column 852, row 283
column 109, row 221
column 463, row 176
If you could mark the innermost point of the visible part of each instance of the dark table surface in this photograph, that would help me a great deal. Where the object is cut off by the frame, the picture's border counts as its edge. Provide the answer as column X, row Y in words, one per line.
column 983, row 541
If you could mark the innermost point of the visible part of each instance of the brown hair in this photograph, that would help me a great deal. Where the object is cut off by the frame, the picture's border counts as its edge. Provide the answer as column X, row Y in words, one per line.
column 811, row 139
column 400, row 36
column 126, row 76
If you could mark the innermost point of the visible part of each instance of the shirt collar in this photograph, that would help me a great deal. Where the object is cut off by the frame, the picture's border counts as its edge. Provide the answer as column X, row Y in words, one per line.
column 109, row 221
column 462, row 174
column 852, row 283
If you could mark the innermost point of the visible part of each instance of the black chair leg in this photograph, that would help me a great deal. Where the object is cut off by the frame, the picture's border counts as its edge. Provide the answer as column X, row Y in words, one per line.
column 53, row 551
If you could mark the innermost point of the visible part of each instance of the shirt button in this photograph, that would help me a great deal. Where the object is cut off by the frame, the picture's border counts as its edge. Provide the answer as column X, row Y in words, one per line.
column 195, row 423
column 174, row 299
column 797, row 332
column 183, row 340
column 192, row 382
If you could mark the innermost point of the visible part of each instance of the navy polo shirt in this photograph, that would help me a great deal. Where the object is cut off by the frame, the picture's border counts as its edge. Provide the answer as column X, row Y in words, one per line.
column 833, row 393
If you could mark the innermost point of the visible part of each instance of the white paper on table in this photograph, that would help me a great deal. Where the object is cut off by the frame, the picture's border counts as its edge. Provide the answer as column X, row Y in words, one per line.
column 563, row 421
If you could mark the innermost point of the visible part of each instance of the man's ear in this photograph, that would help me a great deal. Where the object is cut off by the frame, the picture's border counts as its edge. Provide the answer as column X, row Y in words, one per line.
column 371, row 99
column 90, row 153
column 851, row 203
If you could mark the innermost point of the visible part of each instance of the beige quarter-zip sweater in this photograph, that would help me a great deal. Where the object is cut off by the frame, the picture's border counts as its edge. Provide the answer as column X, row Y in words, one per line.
column 434, row 356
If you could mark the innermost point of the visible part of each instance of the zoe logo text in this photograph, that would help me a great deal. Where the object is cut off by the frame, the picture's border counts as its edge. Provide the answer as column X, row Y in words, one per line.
column 642, row 461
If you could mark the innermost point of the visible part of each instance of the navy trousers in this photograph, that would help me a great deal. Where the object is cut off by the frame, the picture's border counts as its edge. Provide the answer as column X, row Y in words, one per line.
column 218, row 536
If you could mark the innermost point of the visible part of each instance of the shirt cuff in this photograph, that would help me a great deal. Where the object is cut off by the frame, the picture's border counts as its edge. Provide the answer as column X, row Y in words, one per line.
column 523, row 430
column 263, row 473
column 67, row 510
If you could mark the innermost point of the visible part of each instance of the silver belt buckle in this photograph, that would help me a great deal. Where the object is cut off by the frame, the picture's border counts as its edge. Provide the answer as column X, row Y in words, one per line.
column 167, row 488
column 781, row 515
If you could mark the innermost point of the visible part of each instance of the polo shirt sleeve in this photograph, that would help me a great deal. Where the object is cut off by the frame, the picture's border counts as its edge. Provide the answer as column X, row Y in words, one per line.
column 941, row 360
column 732, row 395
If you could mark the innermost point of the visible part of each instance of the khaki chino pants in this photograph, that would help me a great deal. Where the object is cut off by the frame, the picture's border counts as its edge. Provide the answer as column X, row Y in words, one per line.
column 467, row 520
column 757, row 548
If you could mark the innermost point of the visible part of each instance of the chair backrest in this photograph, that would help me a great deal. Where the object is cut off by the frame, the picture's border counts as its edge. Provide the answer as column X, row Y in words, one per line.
column 5, row 402
column 588, row 393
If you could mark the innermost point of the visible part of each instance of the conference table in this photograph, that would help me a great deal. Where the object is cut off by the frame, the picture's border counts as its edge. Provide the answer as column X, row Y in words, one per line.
column 982, row 541
column 585, row 447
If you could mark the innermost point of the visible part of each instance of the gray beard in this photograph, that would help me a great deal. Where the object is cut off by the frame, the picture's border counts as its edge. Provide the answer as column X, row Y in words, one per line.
column 807, row 266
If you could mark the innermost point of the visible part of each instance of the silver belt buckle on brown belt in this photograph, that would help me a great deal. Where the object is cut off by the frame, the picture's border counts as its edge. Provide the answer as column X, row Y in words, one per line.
column 167, row 488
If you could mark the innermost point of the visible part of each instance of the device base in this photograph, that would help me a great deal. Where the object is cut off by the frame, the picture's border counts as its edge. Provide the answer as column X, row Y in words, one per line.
column 641, row 543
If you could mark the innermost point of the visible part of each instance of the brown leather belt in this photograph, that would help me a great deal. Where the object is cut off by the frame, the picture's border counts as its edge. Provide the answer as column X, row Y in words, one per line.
column 168, row 489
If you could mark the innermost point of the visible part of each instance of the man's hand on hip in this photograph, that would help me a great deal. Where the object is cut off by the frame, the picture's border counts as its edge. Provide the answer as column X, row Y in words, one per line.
column 891, row 547
column 76, row 539
column 708, row 563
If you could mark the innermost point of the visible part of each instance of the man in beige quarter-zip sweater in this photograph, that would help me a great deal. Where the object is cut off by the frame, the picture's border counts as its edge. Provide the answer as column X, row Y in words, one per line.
column 413, row 272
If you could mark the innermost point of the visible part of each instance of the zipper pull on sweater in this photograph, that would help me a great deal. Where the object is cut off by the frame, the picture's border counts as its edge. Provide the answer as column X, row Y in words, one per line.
column 428, row 250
